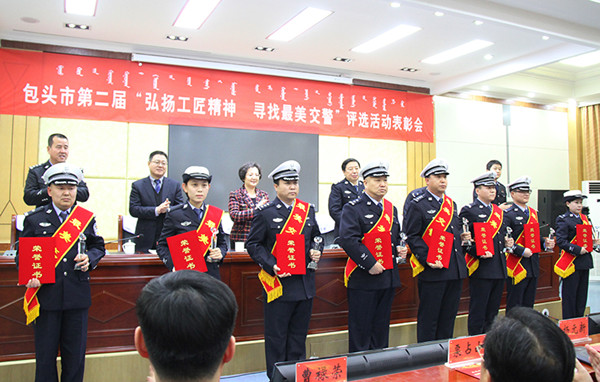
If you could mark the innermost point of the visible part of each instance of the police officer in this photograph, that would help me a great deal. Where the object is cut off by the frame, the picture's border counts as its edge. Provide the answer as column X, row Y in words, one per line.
column 439, row 287
column 35, row 193
column 574, row 284
column 188, row 216
column 488, row 270
column 371, row 285
column 500, row 199
column 522, row 293
column 344, row 191
column 63, row 315
column 410, row 197
column 286, row 317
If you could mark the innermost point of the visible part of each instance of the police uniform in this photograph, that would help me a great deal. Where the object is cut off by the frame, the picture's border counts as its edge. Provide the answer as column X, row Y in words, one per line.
column 575, row 287
column 287, row 317
column 182, row 218
column 486, row 284
column 370, row 297
column 439, row 289
column 410, row 197
column 63, row 305
column 36, row 190
column 500, row 194
column 523, row 293
column 341, row 193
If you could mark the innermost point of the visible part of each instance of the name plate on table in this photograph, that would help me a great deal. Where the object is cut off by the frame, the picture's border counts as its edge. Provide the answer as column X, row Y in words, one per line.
column 575, row 328
column 465, row 355
column 323, row 370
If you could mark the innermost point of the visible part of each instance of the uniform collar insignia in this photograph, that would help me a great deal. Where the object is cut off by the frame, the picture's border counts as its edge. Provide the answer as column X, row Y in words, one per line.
column 186, row 223
column 431, row 211
column 277, row 220
column 369, row 216
column 45, row 224
column 347, row 191
column 482, row 216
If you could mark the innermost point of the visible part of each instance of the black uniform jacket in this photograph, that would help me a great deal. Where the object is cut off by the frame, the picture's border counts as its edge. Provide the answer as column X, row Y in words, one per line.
column 36, row 190
column 516, row 219
column 341, row 193
column 266, row 224
column 181, row 219
column 566, row 230
column 419, row 214
column 358, row 217
column 494, row 267
column 71, row 289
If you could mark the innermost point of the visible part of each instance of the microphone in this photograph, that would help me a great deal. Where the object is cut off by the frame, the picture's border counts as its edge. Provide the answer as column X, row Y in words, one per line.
column 125, row 238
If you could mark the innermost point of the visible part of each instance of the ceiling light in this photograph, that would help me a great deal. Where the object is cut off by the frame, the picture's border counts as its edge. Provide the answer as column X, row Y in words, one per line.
column 176, row 38
column 545, row 38
column 584, row 60
column 386, row 38
column 195, row 13
column 299, row 24
column 77, row 26
column 595, row 1
column 438, row 14
column 80, row 7
column 411, row 70
column 264, row 48
column 458, row 51
column 488, row 57
column 395, row 4
column 478, row 22
column 342, row 59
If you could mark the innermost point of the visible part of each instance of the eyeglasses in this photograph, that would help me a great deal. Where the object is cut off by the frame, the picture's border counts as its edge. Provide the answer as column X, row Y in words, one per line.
column 159, row 162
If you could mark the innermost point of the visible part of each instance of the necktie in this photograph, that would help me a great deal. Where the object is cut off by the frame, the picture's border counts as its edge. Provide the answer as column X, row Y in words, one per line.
column 380, row 205
column 439, row 201
column 289, row 208
column 527, row 212
column 198, row 212
column 63, row 216
column 157, row 185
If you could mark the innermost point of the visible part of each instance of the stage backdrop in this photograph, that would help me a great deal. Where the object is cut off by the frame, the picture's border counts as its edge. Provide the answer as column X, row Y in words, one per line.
column 66, row 86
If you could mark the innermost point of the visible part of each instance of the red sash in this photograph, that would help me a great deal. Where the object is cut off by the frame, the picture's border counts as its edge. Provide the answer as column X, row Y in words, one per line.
column 440, row 222
column 495, row 221
column 378, row 241
column 188, row 249
column 290, row 236
column 513, row 262
column 564, row 267
column 65, row 237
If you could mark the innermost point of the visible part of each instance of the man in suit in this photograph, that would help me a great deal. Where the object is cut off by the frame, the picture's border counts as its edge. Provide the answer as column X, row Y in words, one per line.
column 344, row 191
column 150, row 199
column 273, row 243
column 439, row 287
column 192, row 215
column 523, row 262
column 369, row 233
column 36, row 191
column 486, row 259
column 63, row 306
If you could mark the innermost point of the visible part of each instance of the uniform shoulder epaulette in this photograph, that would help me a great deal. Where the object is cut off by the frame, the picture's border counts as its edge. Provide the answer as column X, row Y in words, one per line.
column 260, row 208
column 419, row 198
column 353, row 201
column 35, row 211
column 36, row 166
column 562, row 216
column 177, row 207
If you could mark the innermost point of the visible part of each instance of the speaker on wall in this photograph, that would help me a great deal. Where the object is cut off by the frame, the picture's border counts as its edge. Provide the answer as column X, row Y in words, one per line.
column 550, row 205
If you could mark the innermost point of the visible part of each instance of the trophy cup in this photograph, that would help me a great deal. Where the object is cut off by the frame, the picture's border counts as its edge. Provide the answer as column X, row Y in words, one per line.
column 509, row 236
column 465, row 243
column 316, row 245
column 213, row 242
column 402, row 243
column 80, row 249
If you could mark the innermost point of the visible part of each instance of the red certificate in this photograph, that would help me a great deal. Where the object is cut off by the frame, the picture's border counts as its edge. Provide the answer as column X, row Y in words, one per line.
column 531, row 232
column 36, row 259
column 440, row 247
column 584, row 237
column 186, row 252
column 380, row 246
column 484, row 238
column 290, row 254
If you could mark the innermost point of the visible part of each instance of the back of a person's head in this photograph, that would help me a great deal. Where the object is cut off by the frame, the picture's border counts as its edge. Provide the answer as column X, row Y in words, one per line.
column 187, row 320
column 527, row 346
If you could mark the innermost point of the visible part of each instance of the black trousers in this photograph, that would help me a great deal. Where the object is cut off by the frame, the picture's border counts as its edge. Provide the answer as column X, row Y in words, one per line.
column 286, row 326
column 369, row 318
column 574, row 294
column 438, row 305
column 485, row 303
column 522, row 294
column 64, row 329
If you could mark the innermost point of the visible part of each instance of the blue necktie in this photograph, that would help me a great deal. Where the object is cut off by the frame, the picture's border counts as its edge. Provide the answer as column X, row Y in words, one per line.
column 63, row 216
column 380, row 206
column 198, row 212
column 157, row 185
column 290, row 208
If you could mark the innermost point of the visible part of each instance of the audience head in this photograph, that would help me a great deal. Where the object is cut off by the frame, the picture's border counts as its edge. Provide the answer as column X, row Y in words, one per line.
column 250, row 173
column 157, row 163
column 527, row 346
column 58, row 148
column 186, row 323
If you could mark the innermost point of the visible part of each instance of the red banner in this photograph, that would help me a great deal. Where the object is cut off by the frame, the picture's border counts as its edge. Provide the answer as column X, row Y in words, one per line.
column 66, row 86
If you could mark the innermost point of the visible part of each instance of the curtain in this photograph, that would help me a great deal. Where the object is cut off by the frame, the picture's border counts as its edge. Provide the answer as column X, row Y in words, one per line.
column 590, row 134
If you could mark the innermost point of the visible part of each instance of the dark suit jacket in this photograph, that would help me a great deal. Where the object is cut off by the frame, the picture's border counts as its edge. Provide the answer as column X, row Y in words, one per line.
column 142, row 202
column 71, row 289
column 358, row 217
column 566, row 230
column 267, row 223
column 516, row 219
column 494, row 267
column 419, row 214
column 36, row 190
column 182, row 219
column 341, row 193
